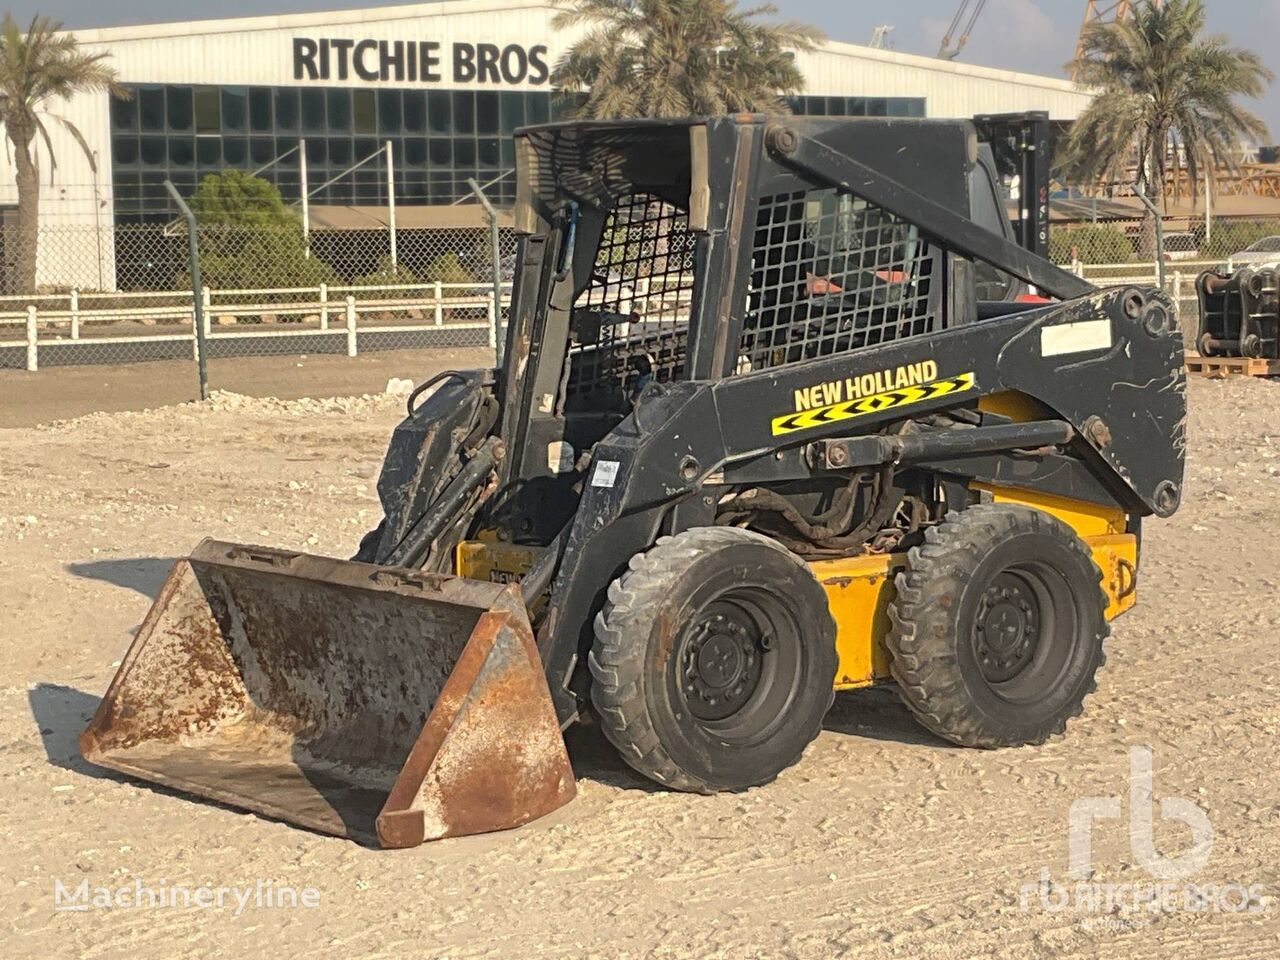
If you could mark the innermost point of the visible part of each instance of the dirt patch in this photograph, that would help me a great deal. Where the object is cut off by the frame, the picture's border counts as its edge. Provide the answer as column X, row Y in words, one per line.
column 883, row 842
column 60, row 393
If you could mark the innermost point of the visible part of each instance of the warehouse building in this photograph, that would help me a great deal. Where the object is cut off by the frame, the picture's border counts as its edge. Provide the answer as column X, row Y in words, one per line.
column 425, row 96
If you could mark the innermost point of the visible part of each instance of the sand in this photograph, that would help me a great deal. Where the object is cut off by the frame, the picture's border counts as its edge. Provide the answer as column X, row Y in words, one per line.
column 883, row 842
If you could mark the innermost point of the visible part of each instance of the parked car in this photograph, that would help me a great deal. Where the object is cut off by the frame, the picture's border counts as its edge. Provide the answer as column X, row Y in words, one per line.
column 1260, row 253
column 1180, row 246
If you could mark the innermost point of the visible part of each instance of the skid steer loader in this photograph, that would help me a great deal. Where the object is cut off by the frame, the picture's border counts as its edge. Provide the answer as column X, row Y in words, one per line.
column 755, row 438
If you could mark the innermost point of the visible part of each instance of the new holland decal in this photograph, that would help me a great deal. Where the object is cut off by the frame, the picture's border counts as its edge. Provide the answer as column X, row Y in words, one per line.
column 858, row 396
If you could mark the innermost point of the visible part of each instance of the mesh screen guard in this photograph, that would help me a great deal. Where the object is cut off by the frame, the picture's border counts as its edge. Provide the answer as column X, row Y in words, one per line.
column 832, row 273
column 631, row 323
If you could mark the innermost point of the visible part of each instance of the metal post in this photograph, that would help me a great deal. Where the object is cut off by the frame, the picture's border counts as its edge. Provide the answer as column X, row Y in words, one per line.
column 197, row 288
column 75, row 314
column 391, row 203
column 33, row 356
column 306, row 198
column 439, row 303
column 1151, row 208
column 351, row 326
column 496, row 337
column 324, row 306
column 1208, row 212
column 97, row 219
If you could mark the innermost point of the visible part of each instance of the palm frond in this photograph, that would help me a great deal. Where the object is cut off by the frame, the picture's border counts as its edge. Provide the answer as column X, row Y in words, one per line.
column 1167, row 97
column 678, row 58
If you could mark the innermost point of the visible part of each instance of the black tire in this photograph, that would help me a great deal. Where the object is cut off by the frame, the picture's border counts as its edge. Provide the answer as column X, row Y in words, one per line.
column 714, row 660
column 998, row 627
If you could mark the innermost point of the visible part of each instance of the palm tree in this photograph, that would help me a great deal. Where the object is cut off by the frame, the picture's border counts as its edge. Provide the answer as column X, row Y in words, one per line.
column 43, row 65
column 1166, row 95
column 678, row 58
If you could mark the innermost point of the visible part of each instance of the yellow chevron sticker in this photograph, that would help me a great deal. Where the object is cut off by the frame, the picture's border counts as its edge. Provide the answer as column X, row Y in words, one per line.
column 874, row 403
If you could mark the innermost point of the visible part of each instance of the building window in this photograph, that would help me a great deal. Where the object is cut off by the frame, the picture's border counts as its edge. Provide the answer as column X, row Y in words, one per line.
column 313, row 112
column 487, row 121
column 151, row 109
column 440, row 111
column 464, row 153
column 208, row 110
column 390, row 114
column 124, row 151
column 153, row 151
column 440, row 138
column 124, row 114
column 287, row 110
column 209, row 153
column 464, row 112
column 440, row 153
column 339, row 111
column 180, row 110
column 260, row 110
column 364, row 110
column 235, row 151
column 809, row 106
column 537, row 108
column 262, row 150
column 182, row 152
column 415, row 112
column 340, row 152
column 235, row 110
column 414, row 152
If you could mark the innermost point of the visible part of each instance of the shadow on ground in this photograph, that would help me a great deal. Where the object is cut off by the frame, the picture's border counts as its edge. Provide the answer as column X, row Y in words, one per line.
column 144, row 574
column 61, row 713
column 878, row 713
column 594, row 758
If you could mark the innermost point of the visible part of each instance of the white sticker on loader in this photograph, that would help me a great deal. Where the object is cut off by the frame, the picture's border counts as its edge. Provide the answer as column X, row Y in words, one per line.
column 1065, row 338
column 606, row 474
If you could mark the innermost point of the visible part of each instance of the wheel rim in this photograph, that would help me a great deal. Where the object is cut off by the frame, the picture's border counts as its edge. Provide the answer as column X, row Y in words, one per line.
column 738, row 663
column 1025, row 631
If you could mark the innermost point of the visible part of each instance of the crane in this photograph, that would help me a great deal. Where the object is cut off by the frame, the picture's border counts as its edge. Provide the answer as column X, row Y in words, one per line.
column 1102, row 11
column 946, row 51
column 1107, row 11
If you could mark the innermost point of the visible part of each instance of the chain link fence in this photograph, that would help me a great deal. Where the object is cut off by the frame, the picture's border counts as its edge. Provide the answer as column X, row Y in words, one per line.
column 276, row 285
column 121, row 294
column 1116, row 253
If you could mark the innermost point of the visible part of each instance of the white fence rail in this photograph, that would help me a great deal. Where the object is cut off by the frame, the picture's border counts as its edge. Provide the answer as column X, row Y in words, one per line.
column 121, row 327
column 102, row 328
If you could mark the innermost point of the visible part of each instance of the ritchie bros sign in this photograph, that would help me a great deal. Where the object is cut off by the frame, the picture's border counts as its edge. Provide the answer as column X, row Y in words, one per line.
column 418, row 61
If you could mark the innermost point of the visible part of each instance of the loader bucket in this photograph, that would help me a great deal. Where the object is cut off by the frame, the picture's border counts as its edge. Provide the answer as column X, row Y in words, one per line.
column 382, row 704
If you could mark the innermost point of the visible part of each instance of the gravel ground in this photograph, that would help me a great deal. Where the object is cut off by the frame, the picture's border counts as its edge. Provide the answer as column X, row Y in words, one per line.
column 883, row 842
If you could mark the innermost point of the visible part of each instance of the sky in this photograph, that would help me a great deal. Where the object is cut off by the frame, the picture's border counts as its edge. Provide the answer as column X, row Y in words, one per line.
column 1037, row 36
